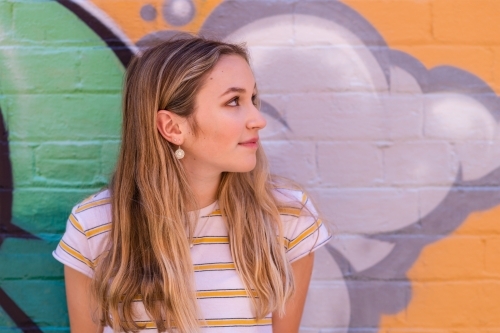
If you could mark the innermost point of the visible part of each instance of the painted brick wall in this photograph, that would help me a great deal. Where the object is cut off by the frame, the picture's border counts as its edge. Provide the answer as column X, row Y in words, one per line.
column 60, row 99
column 386, row 110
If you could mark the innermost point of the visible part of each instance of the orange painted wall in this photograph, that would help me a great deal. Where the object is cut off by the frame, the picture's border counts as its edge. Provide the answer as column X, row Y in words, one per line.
column 462, row 33
column 455, row 281
column 126, row 15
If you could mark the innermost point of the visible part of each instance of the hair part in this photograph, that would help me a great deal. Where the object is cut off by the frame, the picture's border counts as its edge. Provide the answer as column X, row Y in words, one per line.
column 149, row 252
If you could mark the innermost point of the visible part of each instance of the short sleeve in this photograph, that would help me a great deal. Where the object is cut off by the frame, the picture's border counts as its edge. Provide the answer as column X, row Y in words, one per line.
column 73, row 249
column 305, row 232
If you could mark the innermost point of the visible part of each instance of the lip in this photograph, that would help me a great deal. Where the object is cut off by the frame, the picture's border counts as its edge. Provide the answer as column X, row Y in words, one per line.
column 252, row 143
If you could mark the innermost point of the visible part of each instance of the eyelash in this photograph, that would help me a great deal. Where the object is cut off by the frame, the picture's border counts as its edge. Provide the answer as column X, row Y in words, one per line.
column 237, row 98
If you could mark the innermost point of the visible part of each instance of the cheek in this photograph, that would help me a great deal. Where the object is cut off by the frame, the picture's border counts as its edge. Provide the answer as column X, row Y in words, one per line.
column 222, row 139
column 222, row 130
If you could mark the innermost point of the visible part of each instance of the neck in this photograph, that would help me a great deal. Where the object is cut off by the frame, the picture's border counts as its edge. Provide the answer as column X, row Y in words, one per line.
column 204, row 188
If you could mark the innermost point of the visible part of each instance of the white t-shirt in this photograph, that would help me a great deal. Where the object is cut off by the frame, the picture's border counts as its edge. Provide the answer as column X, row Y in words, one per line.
column 221, row 295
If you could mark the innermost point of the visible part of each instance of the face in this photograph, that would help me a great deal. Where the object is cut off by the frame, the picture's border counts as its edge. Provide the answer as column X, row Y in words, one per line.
column 228, row 121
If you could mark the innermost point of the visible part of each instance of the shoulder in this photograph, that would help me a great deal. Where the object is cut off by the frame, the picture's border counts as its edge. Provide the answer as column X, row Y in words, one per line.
column 85, row 238
column 288, row 194
column 92, row 214
column 303, row 230
column 294, row 202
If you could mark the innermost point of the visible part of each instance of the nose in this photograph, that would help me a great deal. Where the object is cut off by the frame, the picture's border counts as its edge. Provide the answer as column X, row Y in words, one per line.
column 256, row 119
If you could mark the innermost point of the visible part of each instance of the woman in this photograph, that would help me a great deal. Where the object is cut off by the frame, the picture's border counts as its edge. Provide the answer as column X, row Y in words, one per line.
column 193, row 234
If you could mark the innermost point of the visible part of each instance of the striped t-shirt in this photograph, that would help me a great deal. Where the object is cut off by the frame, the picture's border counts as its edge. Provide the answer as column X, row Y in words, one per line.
column 222, row 299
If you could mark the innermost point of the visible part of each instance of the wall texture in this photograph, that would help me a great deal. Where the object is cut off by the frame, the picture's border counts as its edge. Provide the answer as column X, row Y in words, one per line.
column 386, row 110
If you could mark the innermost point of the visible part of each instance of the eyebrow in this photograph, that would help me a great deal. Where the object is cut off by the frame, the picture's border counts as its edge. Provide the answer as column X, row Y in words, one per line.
column 235, row 89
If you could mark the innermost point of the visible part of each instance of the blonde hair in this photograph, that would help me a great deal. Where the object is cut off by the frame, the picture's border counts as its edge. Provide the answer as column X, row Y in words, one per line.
column 149, row 252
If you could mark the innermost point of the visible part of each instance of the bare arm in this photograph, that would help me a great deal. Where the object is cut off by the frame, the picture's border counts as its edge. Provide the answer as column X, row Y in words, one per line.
column 80, row 306
column 290, row 322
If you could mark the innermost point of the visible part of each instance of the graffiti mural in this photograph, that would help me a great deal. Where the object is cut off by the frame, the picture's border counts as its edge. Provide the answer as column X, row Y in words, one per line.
column 10, row 230
column 402, row 159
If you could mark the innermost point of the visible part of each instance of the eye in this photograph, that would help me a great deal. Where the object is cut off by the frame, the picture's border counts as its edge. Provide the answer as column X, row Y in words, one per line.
column 255, row 100
column 234, row 102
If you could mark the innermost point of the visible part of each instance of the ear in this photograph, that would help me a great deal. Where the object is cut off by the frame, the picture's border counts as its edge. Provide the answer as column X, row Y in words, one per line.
column 167, row 123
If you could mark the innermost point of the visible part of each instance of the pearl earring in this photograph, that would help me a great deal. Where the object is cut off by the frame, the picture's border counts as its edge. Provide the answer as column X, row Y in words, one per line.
column 179, row 153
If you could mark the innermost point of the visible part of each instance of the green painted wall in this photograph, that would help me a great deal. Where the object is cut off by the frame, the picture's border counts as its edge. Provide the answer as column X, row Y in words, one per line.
column 60, row 97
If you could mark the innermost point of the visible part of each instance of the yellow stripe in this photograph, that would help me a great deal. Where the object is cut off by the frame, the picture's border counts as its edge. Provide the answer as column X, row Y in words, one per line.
column 137, row 298
column 96, row 260
column 75, row 254
column 218, row 322
column 75, row 223
column 236, row 322
column 287, row 244
column 98, row 230
column 216, row 212
column 289, row 211
column 211, row 240
column 146, row 324
column 305, row 234
column 150, row 325
column 93, row 204
column 223, row 293
column 214, row 267
column 304, row 198
column 213, row 294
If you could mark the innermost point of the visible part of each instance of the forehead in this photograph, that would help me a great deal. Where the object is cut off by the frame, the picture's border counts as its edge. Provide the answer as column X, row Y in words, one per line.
column 230, row 71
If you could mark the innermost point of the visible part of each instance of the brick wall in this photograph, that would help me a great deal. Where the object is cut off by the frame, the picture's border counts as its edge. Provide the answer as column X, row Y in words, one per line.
column 387, row 111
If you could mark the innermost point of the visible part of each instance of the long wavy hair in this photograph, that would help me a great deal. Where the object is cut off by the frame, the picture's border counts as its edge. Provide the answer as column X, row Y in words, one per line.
column 149, row 253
